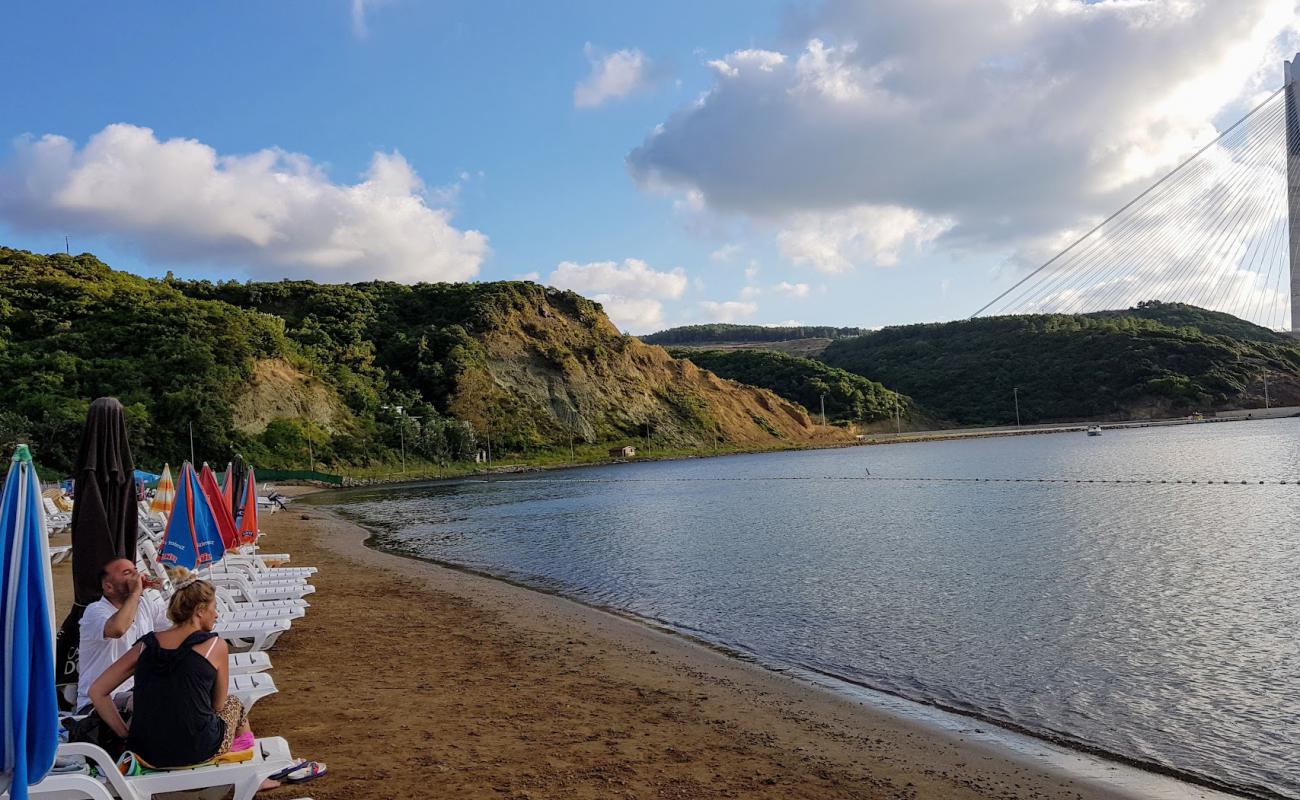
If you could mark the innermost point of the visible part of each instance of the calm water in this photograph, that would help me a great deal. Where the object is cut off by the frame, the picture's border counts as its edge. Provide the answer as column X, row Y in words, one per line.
column 1156, row 622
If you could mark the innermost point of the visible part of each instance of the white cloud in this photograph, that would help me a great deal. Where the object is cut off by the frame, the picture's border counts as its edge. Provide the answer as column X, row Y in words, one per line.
column 792, row 289
column 751, row 271
column 613, row 75
column 273, row 212
column 728, row 310
column 724, row 253
column 1010, row 118
column 631, row 292
column 359, row 7
column 750, row 292
column 838, row 241
column 529, row 276
column 761, row 60
column 634, row 278
column 633, row 314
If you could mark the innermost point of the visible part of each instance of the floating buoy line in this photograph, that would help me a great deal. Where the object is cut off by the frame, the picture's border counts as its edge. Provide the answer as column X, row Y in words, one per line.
column 916, row 479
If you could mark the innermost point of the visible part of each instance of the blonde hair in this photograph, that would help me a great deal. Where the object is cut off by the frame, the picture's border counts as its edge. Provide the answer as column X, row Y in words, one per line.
column 191, row 594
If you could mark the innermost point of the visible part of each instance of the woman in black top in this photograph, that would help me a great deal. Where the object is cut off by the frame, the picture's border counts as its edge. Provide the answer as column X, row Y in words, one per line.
column 182, row 715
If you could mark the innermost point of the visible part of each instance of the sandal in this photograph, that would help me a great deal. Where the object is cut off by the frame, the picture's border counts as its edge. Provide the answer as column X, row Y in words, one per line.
column 308, row 772
column 282, row 774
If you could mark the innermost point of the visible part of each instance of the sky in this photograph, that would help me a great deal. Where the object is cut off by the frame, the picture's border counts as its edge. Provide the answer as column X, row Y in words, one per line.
column 860, row 163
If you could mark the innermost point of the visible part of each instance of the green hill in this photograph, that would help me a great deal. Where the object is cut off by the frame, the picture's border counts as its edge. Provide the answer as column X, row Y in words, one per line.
column 848, row 397
column 269, row 369
column 1113, row 365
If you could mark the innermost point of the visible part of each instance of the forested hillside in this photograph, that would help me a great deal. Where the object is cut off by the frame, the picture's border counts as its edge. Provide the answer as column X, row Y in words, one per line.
column 1111, row 365
column 848, row 397
column 273, row 369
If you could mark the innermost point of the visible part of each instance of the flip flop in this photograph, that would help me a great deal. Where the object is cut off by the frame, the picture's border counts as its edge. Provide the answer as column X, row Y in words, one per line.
column 282, row 774
column 309, row 772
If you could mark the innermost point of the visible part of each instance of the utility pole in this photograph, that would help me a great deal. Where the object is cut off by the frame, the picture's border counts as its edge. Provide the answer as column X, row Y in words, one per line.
column 573, row 421
column 1266, row 405
column 1015, row 391
column 401, row 432
column 67, row 248
column 823, row 408
column 898, row 416
column 311, row 455
column 191, row 442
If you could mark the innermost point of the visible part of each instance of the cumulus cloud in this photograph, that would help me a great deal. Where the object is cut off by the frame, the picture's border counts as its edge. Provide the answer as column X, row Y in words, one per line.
column 728, row 310
column 631, row 292
column 1007, row 119
column 613, row 75
column 724, row 253
column 837, row 241
column 273, row 212
column 792, row 289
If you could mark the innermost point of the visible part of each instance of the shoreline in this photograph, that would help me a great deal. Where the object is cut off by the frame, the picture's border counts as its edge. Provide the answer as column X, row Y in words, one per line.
column 870, row 744
column 869, row 440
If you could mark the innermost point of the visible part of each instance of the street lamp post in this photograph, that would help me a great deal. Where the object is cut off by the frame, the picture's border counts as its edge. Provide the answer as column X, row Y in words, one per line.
column 1015, row 391
column 401, row 430
column 823, row 408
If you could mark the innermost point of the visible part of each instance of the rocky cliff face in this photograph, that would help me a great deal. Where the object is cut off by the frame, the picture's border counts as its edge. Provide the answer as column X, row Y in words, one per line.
column 554, row 364
column 277, row 389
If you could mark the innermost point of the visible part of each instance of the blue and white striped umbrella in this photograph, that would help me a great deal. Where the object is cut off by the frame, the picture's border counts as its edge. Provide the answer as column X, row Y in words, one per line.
column 29, row 719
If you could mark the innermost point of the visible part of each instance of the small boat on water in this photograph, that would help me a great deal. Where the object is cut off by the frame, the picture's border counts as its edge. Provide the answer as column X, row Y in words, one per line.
column 1094, row 430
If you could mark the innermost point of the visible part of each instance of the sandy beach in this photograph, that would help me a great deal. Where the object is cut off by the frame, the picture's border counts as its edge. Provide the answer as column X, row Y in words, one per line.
column 412, row 680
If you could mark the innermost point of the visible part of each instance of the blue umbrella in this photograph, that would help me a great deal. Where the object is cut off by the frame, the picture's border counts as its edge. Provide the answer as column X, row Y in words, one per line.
column 29, row 721
column 192, row 538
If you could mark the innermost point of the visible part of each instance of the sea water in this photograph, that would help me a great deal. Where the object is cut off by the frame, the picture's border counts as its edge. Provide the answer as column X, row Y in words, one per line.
column 1157, row 622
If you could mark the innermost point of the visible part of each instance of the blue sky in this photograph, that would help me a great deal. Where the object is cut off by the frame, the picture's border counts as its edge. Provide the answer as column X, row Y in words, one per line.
column 683, row 162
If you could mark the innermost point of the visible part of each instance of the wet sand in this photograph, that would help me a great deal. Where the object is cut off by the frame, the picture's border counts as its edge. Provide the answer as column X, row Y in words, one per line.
column 411, row 680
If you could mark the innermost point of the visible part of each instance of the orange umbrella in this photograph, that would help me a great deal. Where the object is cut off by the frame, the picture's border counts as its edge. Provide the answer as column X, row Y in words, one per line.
column 165, row 497
column 248, row 515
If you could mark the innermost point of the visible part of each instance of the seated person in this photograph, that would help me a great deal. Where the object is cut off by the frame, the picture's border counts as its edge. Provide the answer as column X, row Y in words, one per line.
column 183, row 715
column 112, row 624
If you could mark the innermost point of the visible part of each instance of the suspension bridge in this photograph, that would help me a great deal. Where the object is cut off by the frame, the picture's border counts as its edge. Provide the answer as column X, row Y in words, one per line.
column 1220, row 231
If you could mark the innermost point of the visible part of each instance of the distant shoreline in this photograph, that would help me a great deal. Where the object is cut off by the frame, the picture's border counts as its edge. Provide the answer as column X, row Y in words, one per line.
column 906, row 437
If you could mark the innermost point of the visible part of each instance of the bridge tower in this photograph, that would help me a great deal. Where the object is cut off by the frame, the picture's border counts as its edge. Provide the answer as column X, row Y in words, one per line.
column 1291, row 79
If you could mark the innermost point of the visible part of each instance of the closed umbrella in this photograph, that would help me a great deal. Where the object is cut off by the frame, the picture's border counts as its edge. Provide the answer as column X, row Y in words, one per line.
column 228, row 488
column 238, row 474
column 192, row 538
column 247, row 522
column 165, row 496
column 225, row 523
column 104, row 517
column 29, row 717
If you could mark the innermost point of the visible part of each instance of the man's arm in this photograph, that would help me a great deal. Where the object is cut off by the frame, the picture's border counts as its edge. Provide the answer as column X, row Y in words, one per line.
column 116, row 626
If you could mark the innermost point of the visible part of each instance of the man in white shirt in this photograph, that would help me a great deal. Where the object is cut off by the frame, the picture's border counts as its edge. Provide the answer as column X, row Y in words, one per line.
column 113, row 624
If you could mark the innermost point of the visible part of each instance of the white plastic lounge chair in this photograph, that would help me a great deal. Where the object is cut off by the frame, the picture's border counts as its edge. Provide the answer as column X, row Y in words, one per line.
column 249, row 663
column 245, row 635
column 58, row 554
column 53, row 516
column 258, row 572
column 251, row 687
column 231, row 607
column 270, row 755
column 237, row 583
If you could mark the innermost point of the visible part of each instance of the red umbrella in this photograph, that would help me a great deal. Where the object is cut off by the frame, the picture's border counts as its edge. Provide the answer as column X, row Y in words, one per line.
column 220, row 508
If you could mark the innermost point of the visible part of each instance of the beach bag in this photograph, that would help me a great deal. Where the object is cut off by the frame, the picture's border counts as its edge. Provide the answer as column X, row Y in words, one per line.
column 92, row 729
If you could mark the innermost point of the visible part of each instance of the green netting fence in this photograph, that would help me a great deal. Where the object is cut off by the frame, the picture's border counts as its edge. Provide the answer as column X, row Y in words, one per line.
column 298, row 475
